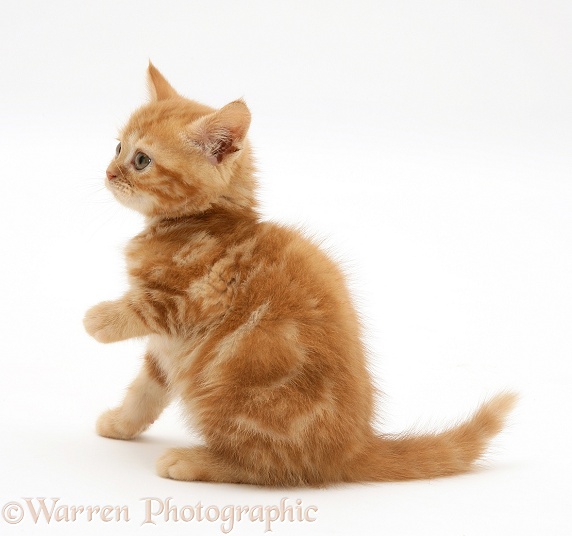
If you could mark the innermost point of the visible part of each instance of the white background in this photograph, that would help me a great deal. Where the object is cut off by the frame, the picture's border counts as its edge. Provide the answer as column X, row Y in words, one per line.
column 428, row 143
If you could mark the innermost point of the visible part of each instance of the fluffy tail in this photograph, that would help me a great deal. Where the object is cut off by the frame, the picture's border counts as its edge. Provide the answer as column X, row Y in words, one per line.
column 440, row 454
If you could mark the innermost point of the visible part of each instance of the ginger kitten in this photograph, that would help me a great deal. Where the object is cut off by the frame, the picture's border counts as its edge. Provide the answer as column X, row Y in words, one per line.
column 249, row 323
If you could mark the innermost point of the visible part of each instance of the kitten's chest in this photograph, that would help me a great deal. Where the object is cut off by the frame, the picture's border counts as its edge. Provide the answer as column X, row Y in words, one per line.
column 199, row 272
column 171, row 259
column 200, row 264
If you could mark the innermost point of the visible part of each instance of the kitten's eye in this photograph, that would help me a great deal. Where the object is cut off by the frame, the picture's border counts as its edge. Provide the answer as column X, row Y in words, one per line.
column 118, row 149
column 141, row 161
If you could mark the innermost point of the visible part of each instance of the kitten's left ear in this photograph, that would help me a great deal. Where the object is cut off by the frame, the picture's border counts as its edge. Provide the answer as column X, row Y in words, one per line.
column 159, row 88
column 220, row 134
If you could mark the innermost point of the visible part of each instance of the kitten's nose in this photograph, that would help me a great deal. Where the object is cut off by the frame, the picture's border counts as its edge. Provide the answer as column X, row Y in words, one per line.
column 110, row 175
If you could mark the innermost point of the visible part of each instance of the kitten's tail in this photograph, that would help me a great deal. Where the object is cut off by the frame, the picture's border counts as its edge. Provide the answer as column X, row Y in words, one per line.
column 438, row 454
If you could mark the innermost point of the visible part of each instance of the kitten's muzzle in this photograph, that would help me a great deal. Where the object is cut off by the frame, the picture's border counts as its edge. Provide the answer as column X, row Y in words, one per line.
column 110, row 175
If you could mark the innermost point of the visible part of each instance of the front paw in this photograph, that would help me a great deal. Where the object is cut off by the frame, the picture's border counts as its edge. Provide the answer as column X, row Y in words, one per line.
column 113, row 424
column 177, row 464
column 99, row 322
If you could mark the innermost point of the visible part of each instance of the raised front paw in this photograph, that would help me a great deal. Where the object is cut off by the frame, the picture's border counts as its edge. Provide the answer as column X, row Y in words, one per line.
column 100, row 322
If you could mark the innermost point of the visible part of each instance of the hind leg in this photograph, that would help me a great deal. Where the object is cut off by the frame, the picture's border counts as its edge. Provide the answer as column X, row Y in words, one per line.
column 144, row 401
column 195, row 463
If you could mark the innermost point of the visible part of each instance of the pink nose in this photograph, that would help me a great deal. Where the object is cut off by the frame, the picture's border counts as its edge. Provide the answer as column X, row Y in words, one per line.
column 110, row 175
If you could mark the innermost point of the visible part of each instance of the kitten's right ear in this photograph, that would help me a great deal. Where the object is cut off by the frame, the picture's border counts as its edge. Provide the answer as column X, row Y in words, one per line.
column 159, row 88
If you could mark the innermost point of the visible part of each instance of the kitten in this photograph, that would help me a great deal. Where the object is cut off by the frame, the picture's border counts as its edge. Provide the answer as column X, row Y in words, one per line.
column 249, row 323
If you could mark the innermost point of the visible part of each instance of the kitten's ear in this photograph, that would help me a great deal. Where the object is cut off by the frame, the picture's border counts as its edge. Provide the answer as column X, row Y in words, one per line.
column 221, row 133
column 158, row 86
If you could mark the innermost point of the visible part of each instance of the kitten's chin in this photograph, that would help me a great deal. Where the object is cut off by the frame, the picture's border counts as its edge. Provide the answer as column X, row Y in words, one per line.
column 138, row 202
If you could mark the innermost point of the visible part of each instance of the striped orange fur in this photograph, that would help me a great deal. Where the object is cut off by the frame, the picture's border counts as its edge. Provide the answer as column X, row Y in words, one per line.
column 249, row 323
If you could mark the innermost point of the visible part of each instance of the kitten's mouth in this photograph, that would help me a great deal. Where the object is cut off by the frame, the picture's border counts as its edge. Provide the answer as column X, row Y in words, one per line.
column 124, row 192
column 119, row 187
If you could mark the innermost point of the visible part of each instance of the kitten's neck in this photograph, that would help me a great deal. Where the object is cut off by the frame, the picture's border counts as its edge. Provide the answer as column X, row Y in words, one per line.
column 237, row 204
column 215, row 213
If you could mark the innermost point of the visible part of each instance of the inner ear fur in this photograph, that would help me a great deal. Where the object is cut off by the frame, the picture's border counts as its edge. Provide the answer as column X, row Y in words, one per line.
column 221, row 133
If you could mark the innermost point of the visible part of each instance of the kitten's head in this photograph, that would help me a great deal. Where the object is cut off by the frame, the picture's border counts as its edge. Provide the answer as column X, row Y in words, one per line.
column 177, row 157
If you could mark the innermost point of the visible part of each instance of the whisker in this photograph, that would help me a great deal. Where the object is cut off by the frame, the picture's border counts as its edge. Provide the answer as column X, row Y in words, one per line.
column 104, row 217
column 122, row 174
column 92, row 190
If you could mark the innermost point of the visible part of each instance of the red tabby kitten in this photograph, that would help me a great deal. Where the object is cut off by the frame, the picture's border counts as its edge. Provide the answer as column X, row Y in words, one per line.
column 249, row 323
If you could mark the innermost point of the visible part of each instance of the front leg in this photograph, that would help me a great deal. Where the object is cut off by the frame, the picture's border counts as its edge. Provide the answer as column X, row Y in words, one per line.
column 112, row 321
column 144, row 401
